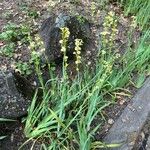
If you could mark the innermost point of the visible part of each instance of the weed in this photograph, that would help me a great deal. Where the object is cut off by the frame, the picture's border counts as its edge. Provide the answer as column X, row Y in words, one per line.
column 33, row 13
column 67, row 109
column 109, row 32
column 36, row 44
column 67, row 106
column 8, row 50
column 81, row 19
column 13, row 33
column 93, row 8
column 64, row 114
column 23, row 68
column 63, row 42
column 9, row 32
column 78, row 44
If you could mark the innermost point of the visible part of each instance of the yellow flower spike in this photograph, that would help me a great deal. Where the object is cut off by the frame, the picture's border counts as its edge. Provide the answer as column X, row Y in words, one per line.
column 78, row 44
column 63, row 42
column 110, row 28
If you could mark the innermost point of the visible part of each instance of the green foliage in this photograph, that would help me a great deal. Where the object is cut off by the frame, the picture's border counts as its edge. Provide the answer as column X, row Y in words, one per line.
column 8, row 50
column 143, row 59
column 2, row 137
column 23, row 68
column 9, row 32
column 139, row 8
column 4, row 119
column 80, row 18
column 33, row 13
column 64, row 114
column 13, row 32
column 34, row 57
column 67, row 106
column 67, row 109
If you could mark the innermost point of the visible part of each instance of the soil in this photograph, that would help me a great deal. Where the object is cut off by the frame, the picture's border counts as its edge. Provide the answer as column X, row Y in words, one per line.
column 16, row 11
column 142, row 141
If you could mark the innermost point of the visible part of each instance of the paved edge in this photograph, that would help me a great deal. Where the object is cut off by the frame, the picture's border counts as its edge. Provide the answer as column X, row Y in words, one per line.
column 128, row 126
column 148, row 143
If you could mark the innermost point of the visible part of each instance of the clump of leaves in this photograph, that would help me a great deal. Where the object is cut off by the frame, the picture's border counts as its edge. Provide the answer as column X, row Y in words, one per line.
column 23, row 68
column 13, row 32
column 81, row 19
column 68, row 128
column 8, row 50
column 33, row 13
column 9, row 32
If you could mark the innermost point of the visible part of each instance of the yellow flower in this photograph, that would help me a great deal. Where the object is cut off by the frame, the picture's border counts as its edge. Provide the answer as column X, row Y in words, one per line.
column 111, row 13
column 78, row 52
column 61, row 41
column 104, row 33
column 66, row 58
column 63, row 49
column 78, row 44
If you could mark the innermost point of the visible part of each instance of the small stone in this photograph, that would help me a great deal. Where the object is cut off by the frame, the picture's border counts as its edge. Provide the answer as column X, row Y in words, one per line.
column 142, row 135
column 121, row 102
column 89, row 63
column 34, row 83
column 124, row 120
column 110, row 121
